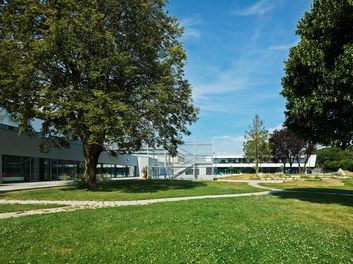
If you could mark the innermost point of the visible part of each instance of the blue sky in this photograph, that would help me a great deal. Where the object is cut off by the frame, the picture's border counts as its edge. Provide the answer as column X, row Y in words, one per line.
column 236, row 50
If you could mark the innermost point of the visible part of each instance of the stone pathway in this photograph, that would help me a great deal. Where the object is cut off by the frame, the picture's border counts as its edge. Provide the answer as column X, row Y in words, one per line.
column 75, row 205
column 255, row 183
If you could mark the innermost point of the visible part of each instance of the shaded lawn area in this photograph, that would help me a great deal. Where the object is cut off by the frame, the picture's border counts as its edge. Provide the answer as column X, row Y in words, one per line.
column 340, row 186
column 134, row 190
column 266, row 229
column 7, row 208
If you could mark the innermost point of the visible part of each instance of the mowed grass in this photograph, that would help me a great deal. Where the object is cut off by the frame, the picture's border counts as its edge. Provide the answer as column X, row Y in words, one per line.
column 134, row 190
column 7, row 208
column 282, row 228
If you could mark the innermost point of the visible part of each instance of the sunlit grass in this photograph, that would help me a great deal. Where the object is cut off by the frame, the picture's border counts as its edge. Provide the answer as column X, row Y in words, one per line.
column 134, row 190
column 282, row 228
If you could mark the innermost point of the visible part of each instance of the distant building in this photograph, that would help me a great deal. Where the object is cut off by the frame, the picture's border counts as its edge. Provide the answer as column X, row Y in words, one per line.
column 21, row 160
column 236, row 164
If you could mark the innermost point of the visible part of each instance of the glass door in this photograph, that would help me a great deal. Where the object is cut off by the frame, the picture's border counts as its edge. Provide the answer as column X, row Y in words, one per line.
column 34, row 169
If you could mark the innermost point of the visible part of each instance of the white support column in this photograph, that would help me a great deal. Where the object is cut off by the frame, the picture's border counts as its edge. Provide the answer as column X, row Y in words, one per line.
column 165, row 165
column 148, row 162
column 1, row 168
column 194, row 159
column 213, row 158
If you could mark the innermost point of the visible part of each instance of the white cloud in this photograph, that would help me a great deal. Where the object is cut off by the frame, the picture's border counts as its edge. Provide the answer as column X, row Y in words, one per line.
column 190, row 31
column 228, row 144
column 259, row 8
column 284, row 47
column 225, row 84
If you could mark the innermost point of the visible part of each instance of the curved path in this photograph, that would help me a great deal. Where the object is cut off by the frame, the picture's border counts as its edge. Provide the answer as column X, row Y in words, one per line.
column 75, row 205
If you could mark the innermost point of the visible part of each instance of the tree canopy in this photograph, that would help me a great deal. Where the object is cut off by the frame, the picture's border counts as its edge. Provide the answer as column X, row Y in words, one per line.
column 318, row 81
column 332, row 159
column 256, row 145
column 286, row 148
column 332, row 154
column 109, row 73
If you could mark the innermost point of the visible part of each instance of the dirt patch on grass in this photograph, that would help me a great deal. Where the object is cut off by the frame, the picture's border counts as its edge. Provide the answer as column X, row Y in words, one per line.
column 240, row 177
column 315, row 183
column 348, row 173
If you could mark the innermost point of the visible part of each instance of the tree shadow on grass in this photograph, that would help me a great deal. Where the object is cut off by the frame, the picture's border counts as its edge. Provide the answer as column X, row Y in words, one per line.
column 144, row 186
column 318, row 195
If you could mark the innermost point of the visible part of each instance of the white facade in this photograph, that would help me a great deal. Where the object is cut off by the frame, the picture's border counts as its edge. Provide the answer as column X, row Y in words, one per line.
column 240, row 164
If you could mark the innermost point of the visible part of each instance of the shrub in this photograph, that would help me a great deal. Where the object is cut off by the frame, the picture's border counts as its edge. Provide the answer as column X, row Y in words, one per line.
column 332, row 165
column 347, row 165
column 81, row 182
column 336, row 165
column 332, row 154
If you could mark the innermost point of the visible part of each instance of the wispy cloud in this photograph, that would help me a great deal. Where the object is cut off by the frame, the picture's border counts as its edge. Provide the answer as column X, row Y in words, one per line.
column 224, row 85
column 228, row 144
column 284, row 47
column 190, row 29
column 259, row 8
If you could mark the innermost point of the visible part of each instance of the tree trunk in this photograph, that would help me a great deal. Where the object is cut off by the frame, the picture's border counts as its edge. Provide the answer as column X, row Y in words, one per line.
column 290, row 167
column 299, row 167
column 91, row 154
column 305, row 162
column 257, row 169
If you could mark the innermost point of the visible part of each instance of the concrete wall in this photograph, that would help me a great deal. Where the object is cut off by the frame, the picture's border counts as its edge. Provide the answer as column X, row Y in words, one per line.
column 152, row 163
column 13, row 144
column 17, row 145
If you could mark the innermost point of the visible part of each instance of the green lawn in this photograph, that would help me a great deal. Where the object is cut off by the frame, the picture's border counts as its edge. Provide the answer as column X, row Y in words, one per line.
column 134, row 190
column 282, row 228
column 7, row 208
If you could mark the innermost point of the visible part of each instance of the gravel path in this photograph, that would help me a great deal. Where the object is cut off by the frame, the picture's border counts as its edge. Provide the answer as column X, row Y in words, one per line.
column 75, row 205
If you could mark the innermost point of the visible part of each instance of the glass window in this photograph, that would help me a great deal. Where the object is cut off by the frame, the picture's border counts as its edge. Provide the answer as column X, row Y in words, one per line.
column 34, row 169
column 15, row 168
column 55, row 170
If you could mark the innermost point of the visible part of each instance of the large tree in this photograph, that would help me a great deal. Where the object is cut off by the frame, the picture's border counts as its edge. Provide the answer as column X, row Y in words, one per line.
column 318, row 81
column 256, row 146
column 109, row 73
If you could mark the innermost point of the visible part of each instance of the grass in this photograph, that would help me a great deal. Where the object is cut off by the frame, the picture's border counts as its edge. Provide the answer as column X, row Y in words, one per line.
column 7, row 208
column 134, row 190
column 240, row 177
column 344, row 186
column 282, row 228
